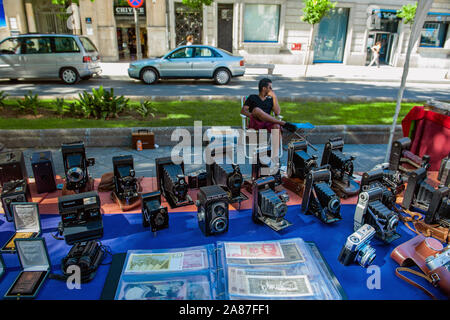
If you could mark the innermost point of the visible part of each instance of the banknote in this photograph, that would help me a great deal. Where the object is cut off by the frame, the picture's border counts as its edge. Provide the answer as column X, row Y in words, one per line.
column 154, row 262
column 279, row 286
column 194, row 259
column 253, row 250
column 290, row 252
column 154, row 290
column 237, row 278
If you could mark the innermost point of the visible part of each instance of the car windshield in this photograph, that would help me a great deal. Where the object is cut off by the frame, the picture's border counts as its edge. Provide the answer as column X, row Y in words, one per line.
column 88, row 45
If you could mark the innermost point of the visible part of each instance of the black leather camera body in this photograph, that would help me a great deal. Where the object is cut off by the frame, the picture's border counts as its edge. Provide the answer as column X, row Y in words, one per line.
column 264, row 161
column 299, row 163
column 153, row 213
column 14, row 191
column 198, row 179
column 212, row 210
column 172, row 183
column 269, row 207
column 439, row 209
column 341, row 166
column 390, row 181
column 87, row 256
column 371, row 210
column 396, row 155
column 81, row 218
column 318, row 197
column 76, row 166
column 444, row 172
column 12, row 167
column 125, row 183
column 43, row 171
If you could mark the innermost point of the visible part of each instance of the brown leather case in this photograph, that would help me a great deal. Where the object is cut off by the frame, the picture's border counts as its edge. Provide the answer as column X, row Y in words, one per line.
column 147, row 138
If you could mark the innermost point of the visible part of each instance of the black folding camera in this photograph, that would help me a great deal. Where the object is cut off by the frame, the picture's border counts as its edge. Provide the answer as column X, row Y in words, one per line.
column 444, row 172
column 75, row 166
column 341, row 167
column 401, row 159
column 269, row 207
column 125, row 183
column 390, row 181
column 172, row 183
column 12, row 167
column 212, row 210
column 229, row 177
column 439, row 208
column 81, row 219
column 299, row 162
column 319, row 199
column 371, row 210
column 14, row 191
column 357, row 248
column 153, row 213
column 87, row 256
column 264, row 161
column 198, row 179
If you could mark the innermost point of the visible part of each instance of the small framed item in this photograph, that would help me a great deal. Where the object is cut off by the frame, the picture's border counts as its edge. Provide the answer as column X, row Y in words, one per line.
column 35, row 262
column 2, row 267
column 27, row 223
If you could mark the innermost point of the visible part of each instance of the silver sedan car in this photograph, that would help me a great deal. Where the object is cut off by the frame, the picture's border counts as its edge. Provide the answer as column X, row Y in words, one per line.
column 189, row 62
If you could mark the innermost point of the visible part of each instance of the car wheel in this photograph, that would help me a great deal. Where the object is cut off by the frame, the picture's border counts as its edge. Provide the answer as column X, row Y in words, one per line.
column 149, row 76
column 69, row 76
column 222, row 76
column 86, row 77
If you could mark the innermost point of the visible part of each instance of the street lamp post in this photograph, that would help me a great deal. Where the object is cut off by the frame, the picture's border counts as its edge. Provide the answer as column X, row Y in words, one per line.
column 138, row 35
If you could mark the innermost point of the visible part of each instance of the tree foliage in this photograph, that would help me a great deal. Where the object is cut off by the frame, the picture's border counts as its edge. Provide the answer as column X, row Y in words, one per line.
column 197, row 4
column 66, row 2
column 315, row 10
column 407, row 13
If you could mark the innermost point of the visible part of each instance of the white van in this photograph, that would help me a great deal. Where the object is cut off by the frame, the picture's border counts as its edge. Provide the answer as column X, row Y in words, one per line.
column 68, row 57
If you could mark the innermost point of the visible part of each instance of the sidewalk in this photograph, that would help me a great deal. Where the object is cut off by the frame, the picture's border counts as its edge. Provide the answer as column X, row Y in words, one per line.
column 316, row 72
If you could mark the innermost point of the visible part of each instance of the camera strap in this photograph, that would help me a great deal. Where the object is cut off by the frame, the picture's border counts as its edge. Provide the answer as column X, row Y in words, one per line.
column 415, row 284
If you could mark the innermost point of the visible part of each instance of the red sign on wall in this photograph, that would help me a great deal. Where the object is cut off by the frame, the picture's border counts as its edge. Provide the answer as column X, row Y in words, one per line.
column 296, row 46
column 135, row 3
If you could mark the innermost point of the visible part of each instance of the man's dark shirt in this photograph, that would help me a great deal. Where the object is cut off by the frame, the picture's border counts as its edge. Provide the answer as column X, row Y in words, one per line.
column 254, row 101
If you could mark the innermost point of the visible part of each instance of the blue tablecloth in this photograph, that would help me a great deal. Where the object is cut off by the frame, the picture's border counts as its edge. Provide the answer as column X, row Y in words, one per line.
column 123, row 232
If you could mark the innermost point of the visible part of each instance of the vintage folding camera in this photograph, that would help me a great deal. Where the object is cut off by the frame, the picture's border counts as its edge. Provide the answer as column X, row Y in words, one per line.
column 439, row 209
column 86, row 255
column 299, row 162
column 14, row 191
column 319, row 199
column 401, row 159
column 35, row 263
column 81, row 219
column 371, row 210
column 12, row 167
column 172, row 182
column 27, row 223
column 430, row 256
column 444, row 172
column 153, row 213
column 269, row 207
column 212, row 210
column 341, row 167
column 198, row 179
column 264, row 166
column 125, row 183
column 357, row 248
column 227, row 175
column 396, row 154
column 390, row 181
column 76, row 166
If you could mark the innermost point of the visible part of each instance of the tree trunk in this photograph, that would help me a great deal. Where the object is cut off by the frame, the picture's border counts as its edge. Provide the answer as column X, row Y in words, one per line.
column 310, row 45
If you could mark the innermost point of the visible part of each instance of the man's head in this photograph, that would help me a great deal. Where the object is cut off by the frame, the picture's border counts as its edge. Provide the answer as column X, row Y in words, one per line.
column 265, row 85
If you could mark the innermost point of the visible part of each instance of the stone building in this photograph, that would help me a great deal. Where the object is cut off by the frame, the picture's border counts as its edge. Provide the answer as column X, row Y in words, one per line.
column 263, row 31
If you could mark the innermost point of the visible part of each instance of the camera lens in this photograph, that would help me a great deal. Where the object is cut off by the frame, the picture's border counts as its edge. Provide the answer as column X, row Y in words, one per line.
column 393, row 222
column 219, row 225
column 75, row 174
column 280, row 210
column 334, row 205
column 366, row 256
column 219, row 209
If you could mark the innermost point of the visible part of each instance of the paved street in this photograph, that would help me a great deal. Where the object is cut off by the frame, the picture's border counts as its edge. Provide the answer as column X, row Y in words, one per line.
column 237, row 87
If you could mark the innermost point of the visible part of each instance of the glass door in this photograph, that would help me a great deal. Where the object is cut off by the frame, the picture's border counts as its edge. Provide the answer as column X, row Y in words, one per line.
column 329, row 43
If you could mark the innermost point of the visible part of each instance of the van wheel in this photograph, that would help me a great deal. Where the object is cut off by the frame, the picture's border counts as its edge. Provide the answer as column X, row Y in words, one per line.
column 222, row 76
column 69, row 76
column 13, row 79
column 149, row 76
column 86, row 77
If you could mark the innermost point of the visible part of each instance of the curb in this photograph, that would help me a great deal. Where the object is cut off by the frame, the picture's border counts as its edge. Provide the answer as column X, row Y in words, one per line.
column 121, row 137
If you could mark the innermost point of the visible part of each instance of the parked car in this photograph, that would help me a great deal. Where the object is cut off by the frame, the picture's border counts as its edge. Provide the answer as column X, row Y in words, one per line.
column 189, row 62
column 68, row 57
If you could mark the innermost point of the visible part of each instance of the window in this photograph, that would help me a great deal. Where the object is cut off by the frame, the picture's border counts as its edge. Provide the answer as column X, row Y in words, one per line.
column 261, row 22
column 37, row 45
column 182, row 53
column 10, row 46
column 205, row 53
column 433, row 34
column 88, row 45
column 66, row 44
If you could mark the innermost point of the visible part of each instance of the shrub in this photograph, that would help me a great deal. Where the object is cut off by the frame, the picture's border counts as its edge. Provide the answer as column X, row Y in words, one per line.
column 29, row 103
column 60, row 104
column 146, row 109
column 101, row 104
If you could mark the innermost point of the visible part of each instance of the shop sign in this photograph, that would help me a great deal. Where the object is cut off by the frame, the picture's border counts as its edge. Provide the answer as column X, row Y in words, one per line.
column 128, row 11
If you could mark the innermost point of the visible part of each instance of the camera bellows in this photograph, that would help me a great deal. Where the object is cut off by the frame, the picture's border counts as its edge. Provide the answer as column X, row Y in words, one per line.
column 153, row 213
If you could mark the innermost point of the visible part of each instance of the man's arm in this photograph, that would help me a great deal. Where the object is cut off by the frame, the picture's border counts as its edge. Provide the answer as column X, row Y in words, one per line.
column 245, row 111
column 276, row 107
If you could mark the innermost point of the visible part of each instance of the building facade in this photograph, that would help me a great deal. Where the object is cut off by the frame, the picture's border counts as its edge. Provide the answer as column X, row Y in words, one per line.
column 263, row 31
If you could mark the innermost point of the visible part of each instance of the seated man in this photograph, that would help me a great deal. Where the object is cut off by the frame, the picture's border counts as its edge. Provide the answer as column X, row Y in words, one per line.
column 258, row 108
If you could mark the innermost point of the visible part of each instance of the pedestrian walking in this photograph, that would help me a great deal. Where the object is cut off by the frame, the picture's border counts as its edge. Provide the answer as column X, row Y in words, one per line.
column 189, row 40
column 376, row 54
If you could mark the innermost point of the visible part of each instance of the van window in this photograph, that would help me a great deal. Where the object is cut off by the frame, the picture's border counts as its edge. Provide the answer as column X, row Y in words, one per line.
column 10, row 46
column 88, row 45
column 37, row 45
column 66, row 44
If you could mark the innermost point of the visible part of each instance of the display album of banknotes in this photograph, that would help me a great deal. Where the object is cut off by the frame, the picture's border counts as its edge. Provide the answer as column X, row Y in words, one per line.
column 285, row 269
